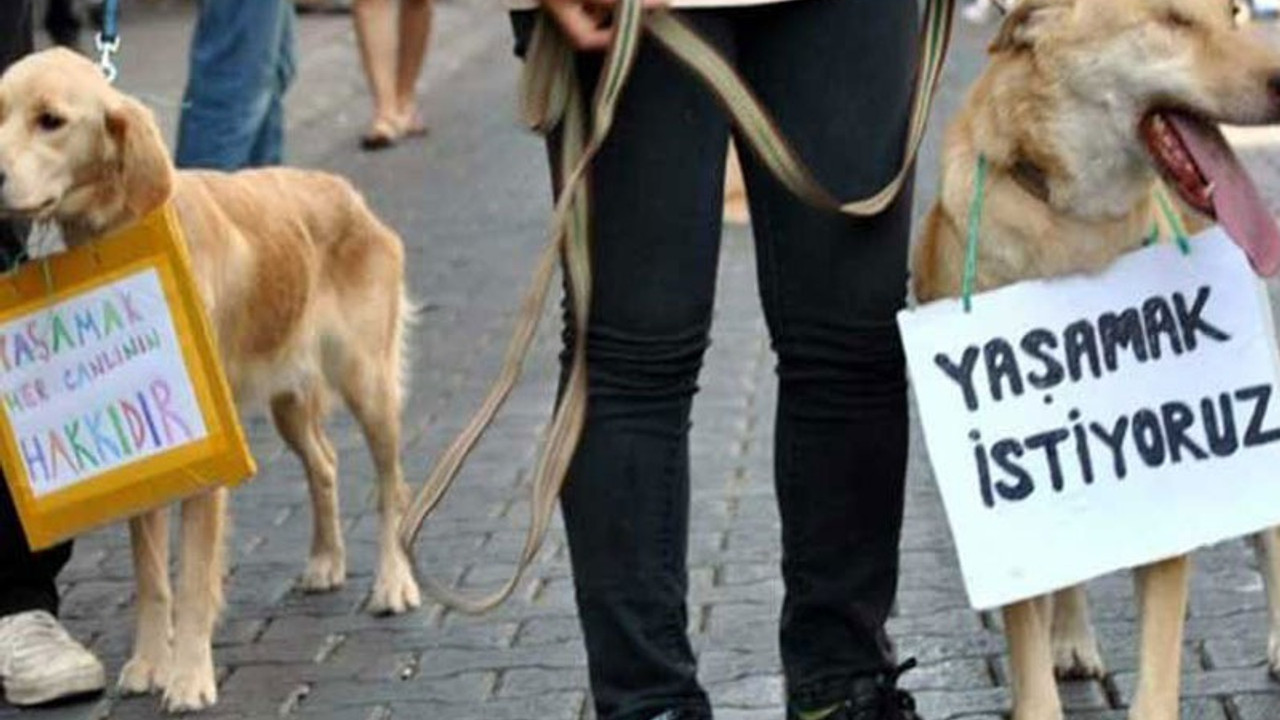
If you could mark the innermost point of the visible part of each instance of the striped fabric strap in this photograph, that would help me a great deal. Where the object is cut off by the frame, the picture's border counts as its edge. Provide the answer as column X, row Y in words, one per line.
column 110, row 20
column 550, row 101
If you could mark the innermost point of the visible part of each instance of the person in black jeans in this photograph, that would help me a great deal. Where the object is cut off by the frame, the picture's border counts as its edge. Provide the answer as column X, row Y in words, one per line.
column 838, row 77
column 39, row 661
column 63, row 22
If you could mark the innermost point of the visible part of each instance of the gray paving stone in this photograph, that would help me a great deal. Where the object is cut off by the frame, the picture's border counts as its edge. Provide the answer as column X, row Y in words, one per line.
column 559, row 706
column 461, row 689
column 1255, row 707
column 532, row 682
column 753, row 691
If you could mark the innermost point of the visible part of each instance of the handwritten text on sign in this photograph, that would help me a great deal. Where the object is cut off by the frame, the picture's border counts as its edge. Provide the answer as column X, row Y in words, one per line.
column 1087, row 424
column 96, row 382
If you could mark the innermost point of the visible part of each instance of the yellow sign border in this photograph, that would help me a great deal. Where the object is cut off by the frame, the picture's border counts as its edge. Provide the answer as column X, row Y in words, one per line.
column 221, row 458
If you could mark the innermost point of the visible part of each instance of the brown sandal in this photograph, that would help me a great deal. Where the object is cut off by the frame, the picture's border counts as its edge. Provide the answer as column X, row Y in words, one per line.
column 413, row 126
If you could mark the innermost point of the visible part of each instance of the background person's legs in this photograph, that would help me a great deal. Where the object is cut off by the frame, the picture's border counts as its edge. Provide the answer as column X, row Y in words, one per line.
column 241, row 65
column 393, row 45
column 62, row 23
column 26, row 578
column 838, row 78
column 268, row 147
column 415, row 36
column 39, row 662
column 375, row 22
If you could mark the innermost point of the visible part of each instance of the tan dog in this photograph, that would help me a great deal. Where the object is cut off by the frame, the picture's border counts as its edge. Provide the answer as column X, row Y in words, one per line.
column 1084, row 104
column 304, row 287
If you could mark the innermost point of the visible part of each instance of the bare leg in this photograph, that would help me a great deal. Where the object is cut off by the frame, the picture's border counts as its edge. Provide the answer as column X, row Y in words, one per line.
column 1075, row 647
column 192, row 685
column 415, row 36
column 1162, row 597
column 1026, row 626
column 300, row 422
column 376, row 32
column 1267, row 544
column 146, row 670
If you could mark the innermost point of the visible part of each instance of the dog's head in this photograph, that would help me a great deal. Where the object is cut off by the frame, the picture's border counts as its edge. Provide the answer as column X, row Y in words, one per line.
column 74, row 149
column 1155, row 77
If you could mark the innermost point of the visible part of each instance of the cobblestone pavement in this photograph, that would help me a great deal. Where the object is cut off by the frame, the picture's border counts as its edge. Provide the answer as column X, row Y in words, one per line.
column 470, row 202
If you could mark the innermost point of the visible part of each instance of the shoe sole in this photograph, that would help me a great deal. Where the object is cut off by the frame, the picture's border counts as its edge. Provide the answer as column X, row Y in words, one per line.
column 88, row 681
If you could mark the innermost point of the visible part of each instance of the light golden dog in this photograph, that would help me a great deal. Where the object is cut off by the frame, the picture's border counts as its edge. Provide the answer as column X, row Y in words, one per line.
column 305, row 290
column 1084, row 105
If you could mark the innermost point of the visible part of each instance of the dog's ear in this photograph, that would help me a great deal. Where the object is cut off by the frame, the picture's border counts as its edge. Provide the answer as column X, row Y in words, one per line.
column 1026, row 22
column 146, row 172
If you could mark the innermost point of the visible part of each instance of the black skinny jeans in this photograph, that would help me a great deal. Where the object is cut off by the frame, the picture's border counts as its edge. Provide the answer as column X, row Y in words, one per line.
column 27, row 579
column 837, row 75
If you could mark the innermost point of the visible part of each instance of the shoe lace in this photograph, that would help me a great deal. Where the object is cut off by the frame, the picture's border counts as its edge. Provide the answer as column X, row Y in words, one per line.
column 21, row 636
column 894, row 702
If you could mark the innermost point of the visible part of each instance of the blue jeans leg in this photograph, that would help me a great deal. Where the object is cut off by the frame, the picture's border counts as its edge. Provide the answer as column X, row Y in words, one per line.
column 242, row 62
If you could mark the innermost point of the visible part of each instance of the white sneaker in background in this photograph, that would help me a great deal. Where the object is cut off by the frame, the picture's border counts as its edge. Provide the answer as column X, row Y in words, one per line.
column 980, row 12
column 40, row 662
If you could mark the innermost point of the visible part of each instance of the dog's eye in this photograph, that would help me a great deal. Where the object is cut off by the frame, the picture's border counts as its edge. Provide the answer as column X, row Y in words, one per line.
column 49, row 122
column 1176, row 19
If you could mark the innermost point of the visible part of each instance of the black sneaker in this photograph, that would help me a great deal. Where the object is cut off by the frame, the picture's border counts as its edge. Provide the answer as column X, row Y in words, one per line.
column 870, row 698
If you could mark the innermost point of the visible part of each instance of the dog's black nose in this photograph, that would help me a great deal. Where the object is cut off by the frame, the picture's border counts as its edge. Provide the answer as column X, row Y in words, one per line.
column 1274, row 85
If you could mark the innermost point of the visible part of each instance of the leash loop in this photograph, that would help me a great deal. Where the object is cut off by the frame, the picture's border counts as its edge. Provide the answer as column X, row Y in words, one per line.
column 551, row 101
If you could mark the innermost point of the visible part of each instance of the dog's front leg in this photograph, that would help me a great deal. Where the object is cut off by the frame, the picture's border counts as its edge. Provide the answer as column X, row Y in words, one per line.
column 1162, row 597
column 1075, row 647
column 1267, row 545
column 192, row 685
column 147, row 670
column 1026, row 627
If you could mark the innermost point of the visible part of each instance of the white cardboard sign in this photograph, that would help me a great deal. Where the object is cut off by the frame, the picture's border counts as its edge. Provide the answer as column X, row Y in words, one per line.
column 96, row 382
column 1082, row 425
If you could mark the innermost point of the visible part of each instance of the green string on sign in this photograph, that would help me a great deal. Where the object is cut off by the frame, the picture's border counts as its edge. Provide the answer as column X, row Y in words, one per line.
column 1175, row 222
column 975, row 226
column 970, row 277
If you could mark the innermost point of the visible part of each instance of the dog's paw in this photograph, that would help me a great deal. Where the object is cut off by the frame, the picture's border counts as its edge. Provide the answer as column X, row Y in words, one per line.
column 395, row 590
column 325, row 572
column 1077, row 658
column 1273, row 654
column 191, row 689
column 141, row 676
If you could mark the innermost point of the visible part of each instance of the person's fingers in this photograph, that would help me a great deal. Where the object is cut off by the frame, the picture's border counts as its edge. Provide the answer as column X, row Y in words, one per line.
column 646, row 4
column 586, row 22
column 580, row 27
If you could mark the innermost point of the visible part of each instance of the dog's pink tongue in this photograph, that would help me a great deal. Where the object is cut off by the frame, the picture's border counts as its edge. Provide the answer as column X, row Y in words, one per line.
column 1236, row 201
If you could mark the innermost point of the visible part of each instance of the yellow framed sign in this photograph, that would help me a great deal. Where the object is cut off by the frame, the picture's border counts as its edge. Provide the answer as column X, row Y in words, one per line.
column 112, row 399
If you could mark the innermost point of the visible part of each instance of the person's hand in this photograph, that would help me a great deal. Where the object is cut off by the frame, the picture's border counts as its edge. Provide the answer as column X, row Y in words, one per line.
column 587, row 23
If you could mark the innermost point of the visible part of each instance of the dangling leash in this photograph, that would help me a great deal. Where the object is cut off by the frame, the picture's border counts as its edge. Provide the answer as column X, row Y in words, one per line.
column 551, row 101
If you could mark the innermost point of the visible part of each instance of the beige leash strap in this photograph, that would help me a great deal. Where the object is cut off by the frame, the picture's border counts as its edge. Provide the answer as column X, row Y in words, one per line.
column 550, row 100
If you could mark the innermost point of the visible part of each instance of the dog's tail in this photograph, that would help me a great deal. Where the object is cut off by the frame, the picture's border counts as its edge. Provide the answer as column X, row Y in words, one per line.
column 407, row 316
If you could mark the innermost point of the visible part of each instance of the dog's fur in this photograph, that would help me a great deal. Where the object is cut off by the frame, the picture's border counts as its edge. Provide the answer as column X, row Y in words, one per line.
column 305, row 290
column 1067, row 84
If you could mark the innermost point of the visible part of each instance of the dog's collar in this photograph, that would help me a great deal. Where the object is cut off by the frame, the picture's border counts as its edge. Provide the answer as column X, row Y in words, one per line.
column 1031, row 178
